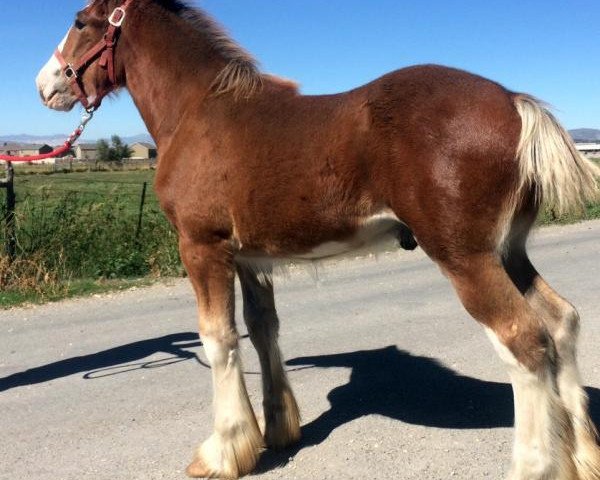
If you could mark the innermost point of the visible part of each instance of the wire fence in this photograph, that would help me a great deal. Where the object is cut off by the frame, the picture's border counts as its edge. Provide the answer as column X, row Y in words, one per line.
column 85, row 225
column 71, row 164
column 126, row 194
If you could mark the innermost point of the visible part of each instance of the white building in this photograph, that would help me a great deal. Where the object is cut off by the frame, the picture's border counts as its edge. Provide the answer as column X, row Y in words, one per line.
column 589, row 149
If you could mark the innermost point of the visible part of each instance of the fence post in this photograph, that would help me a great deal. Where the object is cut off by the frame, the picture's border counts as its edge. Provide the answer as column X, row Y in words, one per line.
column 142, row 203
column 9, row 215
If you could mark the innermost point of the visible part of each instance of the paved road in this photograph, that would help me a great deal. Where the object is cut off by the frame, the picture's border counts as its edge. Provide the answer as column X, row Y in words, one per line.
column 394, row 380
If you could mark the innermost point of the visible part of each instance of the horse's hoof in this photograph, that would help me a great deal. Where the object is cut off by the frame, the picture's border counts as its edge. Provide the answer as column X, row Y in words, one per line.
column 283, row 428
column 197, row 469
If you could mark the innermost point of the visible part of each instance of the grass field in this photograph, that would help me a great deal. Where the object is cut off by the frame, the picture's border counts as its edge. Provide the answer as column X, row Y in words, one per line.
column 126, row 185
column 92, row 181
column 77, row 233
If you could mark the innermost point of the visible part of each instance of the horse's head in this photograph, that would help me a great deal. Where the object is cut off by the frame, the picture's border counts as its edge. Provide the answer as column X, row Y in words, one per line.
column 83, row 67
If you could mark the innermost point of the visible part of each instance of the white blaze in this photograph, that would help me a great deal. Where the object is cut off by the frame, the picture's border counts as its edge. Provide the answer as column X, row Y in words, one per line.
column 50, row 80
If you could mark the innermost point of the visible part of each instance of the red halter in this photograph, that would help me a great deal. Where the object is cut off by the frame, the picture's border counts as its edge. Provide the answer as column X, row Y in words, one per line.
column 105, row 50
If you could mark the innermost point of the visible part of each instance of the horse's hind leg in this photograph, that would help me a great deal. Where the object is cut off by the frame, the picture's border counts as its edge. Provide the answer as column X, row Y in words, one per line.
column 235, row 444
column 562, row 321
column 282, row 418
column 543, row 433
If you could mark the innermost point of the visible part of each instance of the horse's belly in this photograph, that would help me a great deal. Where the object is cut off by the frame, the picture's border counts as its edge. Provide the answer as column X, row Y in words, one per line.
column 376, row 233
column 370, row 233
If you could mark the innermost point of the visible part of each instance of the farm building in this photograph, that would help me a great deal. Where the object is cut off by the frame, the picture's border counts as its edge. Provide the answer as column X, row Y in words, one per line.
column 589, row 149
column 143, row 150
column 30, row 150
column 86, row 151
column 26, row 150
column 10, row 149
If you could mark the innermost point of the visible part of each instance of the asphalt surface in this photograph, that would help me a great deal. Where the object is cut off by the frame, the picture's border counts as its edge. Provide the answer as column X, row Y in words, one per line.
column 394, row 379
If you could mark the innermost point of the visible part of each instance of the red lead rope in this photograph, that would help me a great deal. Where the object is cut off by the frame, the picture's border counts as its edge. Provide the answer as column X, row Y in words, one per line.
column 59, row 151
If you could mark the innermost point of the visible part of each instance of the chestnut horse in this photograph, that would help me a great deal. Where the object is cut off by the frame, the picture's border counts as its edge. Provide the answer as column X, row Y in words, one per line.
column 251, row 172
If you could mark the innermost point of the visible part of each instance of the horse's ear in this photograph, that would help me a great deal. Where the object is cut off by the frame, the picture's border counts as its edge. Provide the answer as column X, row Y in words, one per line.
column 99, row 9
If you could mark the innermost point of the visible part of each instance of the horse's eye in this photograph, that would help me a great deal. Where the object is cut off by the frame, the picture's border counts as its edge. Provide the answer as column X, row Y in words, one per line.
column 79, row 25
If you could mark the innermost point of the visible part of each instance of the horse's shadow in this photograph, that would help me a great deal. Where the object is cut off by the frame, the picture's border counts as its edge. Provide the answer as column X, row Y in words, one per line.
column 412, row 389
column 112, row 361
column 387, row 382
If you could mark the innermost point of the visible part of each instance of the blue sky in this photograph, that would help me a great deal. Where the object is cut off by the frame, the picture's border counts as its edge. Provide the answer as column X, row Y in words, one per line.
column 545, row 47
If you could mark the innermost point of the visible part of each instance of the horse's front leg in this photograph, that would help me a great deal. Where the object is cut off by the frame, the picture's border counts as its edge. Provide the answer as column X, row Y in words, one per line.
column 235, row 444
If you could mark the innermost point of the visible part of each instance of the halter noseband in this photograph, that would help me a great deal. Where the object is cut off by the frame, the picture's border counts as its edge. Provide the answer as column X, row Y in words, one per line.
column 105, row 50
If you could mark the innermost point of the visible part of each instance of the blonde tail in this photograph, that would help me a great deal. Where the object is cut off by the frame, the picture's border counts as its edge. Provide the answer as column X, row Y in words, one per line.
column 562, row 177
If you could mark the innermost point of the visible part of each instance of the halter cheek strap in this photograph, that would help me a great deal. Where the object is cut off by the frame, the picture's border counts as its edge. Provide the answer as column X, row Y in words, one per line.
column 105, row 51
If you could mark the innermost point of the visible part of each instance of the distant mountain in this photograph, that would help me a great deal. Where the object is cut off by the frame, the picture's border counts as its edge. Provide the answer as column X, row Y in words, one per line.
column 43, row 139
column 585, row 135
column 60, row 138
column 142, row 138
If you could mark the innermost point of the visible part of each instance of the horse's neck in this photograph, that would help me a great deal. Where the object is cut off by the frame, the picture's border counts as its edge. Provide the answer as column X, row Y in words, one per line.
column 162, row 78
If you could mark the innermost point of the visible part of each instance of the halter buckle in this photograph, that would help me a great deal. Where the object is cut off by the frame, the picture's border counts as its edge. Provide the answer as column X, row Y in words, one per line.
column 70, row 72
column 116, row 17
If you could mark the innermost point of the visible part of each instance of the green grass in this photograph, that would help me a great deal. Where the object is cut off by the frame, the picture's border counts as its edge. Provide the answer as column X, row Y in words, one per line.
column 548, row 217
column 91, row 185
column 590, row 212
column 91, row 181
column 78, row 288
column 76, row 228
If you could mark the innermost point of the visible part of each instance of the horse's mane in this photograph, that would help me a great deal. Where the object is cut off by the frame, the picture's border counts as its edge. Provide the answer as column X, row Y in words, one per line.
column 241, row 75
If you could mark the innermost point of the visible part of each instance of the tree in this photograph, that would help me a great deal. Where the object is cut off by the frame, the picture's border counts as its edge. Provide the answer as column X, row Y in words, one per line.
column 121, row 150
column 103, row 151
column 116, row 152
